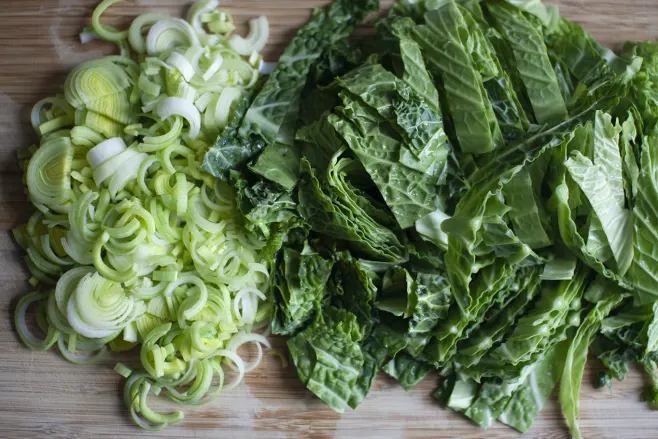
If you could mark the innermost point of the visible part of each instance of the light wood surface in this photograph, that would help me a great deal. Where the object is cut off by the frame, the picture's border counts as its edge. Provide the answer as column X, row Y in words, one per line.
column 43, row 396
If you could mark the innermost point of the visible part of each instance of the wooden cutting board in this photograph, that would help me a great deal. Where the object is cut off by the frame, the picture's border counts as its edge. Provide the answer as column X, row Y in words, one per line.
column 42, row 395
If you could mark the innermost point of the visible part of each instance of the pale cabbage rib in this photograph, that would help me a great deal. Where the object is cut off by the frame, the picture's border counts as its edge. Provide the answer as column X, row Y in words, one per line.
column 607, row 157
column 615, row 220
column 645, row 218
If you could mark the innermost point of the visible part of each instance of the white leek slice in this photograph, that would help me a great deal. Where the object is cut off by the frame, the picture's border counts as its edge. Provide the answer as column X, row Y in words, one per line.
column 193, row 56
column 135, row 33
column 67, row 284
column 104, row 151
column 213, row 68
column 259, row 32
column 182, row 64
column 174, row 106
column 125, row 174
column 107, row 169
column 100, row 307
column 202, row 101
column 197, row 10
column 169, row 33
column 224, row 105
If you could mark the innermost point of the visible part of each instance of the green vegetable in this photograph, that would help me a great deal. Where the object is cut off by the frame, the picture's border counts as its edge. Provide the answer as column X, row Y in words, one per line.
column 278, row 163
column 525, row 211
column 643, row 220
column 476, row 177
column 527, row 401
column 469, row 190
column 471, row 113
column 336, row 361
column 406, row 192
column 341, row 211
column 534, row 66
column 299, row 285
column 574, row 366
column 406, row 370
column 277, row 104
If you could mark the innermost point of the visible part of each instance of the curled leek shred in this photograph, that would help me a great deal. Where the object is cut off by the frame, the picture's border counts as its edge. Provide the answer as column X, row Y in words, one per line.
column 125, row 174
column 147, row 86
column 24, row 333
column 136, row 392
column 255, row 41
column 194, row 55
column 213, row 67
column 217, row 114
column 200, row 390
column 102, row 30
column 56, row 318
column 169, row 33
column 85, row 354
column 197, row 302
column 135, row 33
column 164, row 140
column 47, row 109
column 219, row 22
column 105, row 151
column 242, row 338
column 105, row 270
column 173, row 106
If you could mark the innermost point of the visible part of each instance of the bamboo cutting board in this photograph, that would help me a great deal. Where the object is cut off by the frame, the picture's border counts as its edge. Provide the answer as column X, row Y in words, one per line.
column 42, row 395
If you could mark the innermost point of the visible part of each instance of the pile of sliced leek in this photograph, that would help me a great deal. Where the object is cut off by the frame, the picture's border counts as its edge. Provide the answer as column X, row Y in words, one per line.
column 131, row 245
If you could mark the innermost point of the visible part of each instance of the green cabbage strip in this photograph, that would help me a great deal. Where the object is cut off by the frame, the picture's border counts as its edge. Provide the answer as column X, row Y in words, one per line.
column 137, row 245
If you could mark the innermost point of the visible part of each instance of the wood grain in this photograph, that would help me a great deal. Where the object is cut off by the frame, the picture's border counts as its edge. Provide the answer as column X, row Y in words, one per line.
column 41, row 395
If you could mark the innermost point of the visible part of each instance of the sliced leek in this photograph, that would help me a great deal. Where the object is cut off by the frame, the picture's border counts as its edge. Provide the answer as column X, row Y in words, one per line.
column 174, row 106
column 49, row 174
column 255, row 41
column 102, row 30
column 138, row 244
